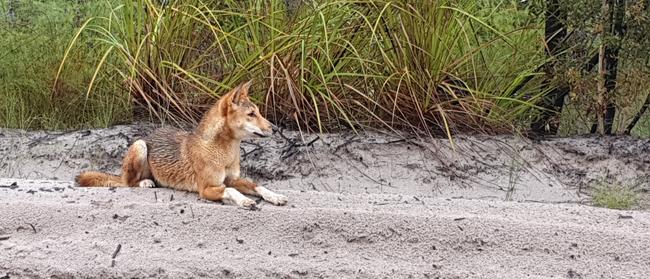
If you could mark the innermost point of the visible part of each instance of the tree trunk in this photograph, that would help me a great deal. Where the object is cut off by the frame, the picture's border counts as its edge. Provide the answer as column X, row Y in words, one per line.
column 601, row 93
column 611, row 55
column 638, row 115
column 646, row 104
column 78, row 16
column 11, row 12
column 613, row 16
column 555, row 32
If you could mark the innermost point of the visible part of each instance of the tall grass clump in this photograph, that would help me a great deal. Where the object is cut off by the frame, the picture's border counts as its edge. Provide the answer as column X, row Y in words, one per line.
column 33, row 38
column 433, row 66
column 156, row 49
column 445, row 67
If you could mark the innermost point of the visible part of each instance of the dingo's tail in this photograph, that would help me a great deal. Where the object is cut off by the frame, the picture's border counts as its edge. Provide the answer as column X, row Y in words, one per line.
column 99, row 179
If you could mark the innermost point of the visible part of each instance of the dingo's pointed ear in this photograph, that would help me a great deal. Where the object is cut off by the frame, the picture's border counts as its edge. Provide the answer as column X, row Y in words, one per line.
column 241, row 92
column 229, row 100
column 246, row 86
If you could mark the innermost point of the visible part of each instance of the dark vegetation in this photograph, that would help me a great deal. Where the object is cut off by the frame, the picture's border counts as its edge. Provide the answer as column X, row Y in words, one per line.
column 438, row 67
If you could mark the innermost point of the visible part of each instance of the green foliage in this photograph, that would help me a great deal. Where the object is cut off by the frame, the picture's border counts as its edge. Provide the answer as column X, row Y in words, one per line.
column 33, row 37
column 434, row 66
column 441, row 66
column 614, row 196
column 642, row 129
column 584, row 26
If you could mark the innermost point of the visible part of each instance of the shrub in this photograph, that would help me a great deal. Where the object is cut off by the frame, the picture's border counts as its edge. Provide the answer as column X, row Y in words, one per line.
column 33, row 38
column 614, row 197
column 434, row 66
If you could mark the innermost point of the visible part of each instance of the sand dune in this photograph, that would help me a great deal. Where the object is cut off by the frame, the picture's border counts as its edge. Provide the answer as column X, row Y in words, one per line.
column 360, row 207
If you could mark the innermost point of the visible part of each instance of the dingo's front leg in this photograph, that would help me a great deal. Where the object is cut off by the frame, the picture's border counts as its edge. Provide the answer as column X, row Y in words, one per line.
column 271, row 196
column 211, row 188
column 232, row 196
column 251, row 188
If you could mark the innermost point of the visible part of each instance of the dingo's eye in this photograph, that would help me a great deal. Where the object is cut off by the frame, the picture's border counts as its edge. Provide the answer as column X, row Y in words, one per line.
column 251, row 114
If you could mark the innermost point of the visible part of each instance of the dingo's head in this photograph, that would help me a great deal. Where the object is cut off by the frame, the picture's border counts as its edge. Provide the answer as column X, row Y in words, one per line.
column 242, row 116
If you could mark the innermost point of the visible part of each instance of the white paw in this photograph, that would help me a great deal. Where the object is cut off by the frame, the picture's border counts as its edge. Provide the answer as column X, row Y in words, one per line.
column 277, row 199
column 248, row 203
column 232, row 196
column 271, row 197
column 147, row 183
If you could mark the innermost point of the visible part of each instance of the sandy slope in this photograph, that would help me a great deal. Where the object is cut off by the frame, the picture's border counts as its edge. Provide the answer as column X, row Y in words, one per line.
column 367, row 206
column 53, row 229
column 496, row 168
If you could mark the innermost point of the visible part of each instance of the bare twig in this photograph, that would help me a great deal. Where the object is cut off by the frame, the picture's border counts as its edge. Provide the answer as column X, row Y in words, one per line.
column 249, row 152
column 33, row 227
column 13, row 185
column 347, row 142
column 293, row 145
column 117, row 251
column 68, row 153
column 252, row 143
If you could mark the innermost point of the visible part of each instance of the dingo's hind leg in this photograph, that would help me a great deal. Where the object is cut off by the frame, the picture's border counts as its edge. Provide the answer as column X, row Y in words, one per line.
column 135, row 167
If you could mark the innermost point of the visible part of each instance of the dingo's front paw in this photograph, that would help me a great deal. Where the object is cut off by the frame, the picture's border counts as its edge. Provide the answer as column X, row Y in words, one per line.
column 271, row 197
column 232, row 196
column 277, row 199
column 248, row 203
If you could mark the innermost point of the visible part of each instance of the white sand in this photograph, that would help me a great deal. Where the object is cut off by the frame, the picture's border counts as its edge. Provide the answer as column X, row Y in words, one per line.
column 365, row 209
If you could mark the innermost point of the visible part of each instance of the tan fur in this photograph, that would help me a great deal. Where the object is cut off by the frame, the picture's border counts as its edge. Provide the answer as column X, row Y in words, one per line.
column 205, row 160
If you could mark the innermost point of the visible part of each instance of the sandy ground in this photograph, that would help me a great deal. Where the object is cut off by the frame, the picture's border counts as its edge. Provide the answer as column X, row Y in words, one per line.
column 366, row 206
